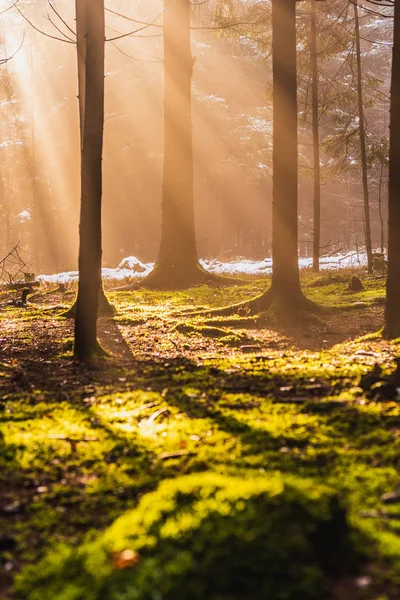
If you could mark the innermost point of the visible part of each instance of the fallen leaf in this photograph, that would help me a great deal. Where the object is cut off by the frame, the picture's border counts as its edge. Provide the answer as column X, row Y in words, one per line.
column 125, row 559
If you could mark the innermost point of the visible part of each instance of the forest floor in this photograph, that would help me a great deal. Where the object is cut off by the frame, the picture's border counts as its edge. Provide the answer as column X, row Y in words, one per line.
column 182, row 393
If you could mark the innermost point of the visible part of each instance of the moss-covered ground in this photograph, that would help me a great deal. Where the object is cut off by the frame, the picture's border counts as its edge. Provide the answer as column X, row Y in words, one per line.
column 182, row 394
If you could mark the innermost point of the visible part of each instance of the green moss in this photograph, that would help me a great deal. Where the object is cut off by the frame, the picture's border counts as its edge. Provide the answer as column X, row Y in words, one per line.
column 80, row 446
column 209, row 536
column 205, row 331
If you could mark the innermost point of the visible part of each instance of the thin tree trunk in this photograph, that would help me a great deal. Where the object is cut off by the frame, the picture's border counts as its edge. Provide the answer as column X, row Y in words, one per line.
column 382, row 223
column 81, row 60
column 367, row 224
column 86, row 344
column 285, row 291
column 392, row 313
column 105, row 308
column 315, row 130
column 36, row 234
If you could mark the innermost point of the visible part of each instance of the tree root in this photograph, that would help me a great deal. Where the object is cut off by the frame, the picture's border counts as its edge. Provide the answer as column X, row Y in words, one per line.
column 391, row 332
column 86, row 355
column 282, row 303
column 165, row 278
column 105, row 309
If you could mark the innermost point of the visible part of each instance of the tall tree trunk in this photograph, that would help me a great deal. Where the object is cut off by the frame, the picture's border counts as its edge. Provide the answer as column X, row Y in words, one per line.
column 367, row 224
column 81, row 60
column 315, row 130
column 86, row 344
column 285, row 274
column 105, row 308
column 285, row 291
column 382, row 223
column 177, row 263
column 392, row 313
column 35, row 213
column 178, row 245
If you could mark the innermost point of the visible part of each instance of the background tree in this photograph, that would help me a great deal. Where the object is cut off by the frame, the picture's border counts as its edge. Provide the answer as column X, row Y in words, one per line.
column 285, row 290
column 177, row 264
column 363, row 150
column 315, row 131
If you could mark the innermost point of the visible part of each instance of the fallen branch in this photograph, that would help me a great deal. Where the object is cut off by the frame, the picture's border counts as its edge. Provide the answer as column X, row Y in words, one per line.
column 178, row 454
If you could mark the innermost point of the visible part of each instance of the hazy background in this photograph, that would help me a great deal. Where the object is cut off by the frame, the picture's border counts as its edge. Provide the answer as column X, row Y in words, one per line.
column 39, row 138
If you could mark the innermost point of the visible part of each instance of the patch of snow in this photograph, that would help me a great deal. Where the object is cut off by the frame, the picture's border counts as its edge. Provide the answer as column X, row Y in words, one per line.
column 132, row 267
column 260, row 125
column 134, row 264
column 24, row 216
column 67, row 277
column 198, row 44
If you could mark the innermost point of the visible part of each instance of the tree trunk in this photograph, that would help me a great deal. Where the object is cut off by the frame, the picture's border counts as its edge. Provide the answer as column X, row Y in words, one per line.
column 392, row 313
column 177, row 265
column 86, row 344
column 177, row 262
column 285, row 274
column 178, row 245
column 368, row 242
column 81, row 60
column 382, row 223
column 315, row 130
column 285, row 291
column 105, row 308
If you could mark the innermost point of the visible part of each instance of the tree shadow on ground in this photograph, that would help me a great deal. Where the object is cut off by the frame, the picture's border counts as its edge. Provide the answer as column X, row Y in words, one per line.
column 306, row 331
column 356, row 436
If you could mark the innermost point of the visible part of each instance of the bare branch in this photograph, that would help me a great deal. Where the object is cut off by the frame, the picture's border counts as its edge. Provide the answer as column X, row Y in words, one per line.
column 5, row 60
column 9, row 8
column 63, row 21
column 53, row 37
column 123, row 35
column 58, row 28
column 117, row 14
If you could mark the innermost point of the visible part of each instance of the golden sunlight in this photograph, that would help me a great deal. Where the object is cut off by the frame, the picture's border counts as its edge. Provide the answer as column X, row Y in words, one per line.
column 199, row 299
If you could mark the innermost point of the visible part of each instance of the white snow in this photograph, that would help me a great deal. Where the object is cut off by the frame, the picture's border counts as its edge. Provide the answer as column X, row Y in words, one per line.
column 24, row 216
column 134, row 264
column 132, row 268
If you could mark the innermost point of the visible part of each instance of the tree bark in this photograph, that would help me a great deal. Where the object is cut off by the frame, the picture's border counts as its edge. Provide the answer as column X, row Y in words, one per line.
column 177, row 263
column 178, row 245
column 81, row 61
column 86, row 345
column 392, row 312
column 381, row 221
column 285, row 274
column 315, row 130
column 105, row 308
column 363, row 151
column 285, row 290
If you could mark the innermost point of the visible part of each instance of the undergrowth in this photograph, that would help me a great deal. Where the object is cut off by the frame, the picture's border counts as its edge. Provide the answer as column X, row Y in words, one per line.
column 239, row 398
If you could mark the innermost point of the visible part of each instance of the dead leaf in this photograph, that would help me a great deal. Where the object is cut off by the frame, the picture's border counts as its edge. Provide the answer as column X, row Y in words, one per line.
column 125, row 559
